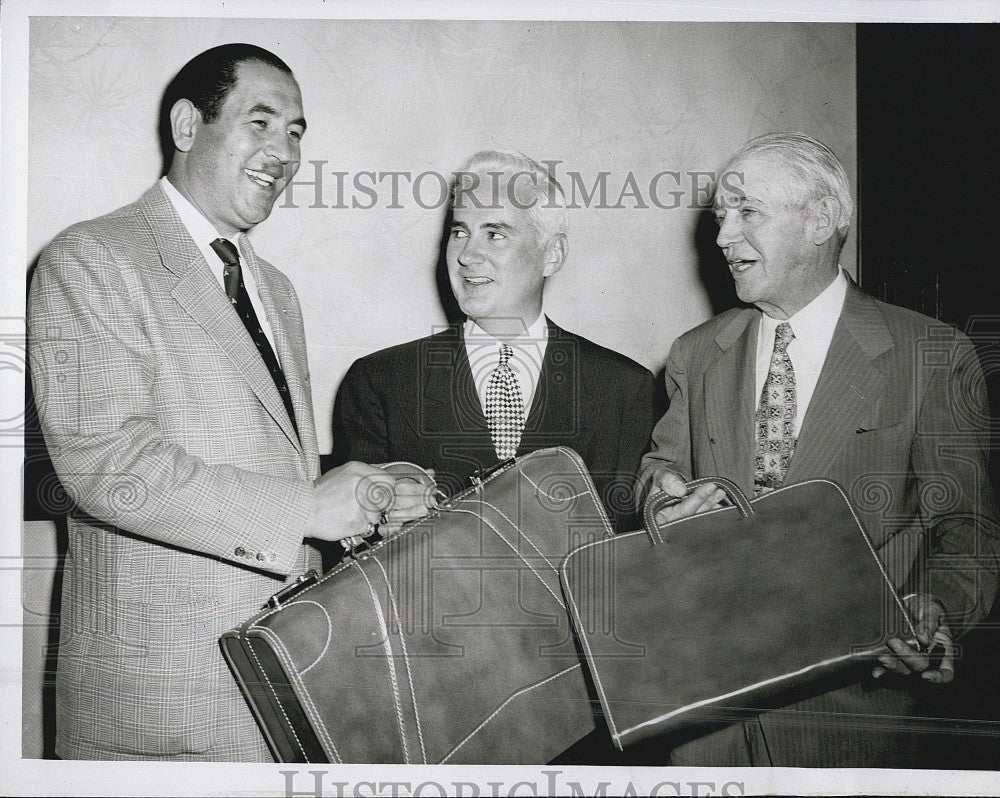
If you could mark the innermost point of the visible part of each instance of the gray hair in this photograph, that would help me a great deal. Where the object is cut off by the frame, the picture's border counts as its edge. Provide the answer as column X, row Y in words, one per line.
column 529, row 185
column 818, row 171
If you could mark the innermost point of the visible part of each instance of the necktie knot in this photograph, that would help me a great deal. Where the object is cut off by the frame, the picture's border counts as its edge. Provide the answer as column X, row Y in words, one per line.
column 506, row 353
column 783, row 336
column 226, row 250
column 230, row 257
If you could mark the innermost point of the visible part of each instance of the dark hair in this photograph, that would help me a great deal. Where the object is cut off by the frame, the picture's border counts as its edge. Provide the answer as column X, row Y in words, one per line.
column 205, row 80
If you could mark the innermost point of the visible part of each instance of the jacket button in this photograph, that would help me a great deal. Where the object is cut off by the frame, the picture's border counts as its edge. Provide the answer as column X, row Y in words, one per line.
column 260, row 556
column 240, row 551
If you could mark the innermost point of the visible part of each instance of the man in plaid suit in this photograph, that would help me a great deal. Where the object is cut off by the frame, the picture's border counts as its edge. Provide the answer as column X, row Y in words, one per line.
column 169, row 364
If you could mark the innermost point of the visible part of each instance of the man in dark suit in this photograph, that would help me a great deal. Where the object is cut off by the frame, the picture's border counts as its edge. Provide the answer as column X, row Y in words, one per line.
column 508, row 380
column 818, row 379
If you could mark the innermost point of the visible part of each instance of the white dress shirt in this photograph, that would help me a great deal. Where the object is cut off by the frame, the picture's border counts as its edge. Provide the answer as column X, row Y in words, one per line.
column 203, row 233
column 526, row 361
column 813, row 327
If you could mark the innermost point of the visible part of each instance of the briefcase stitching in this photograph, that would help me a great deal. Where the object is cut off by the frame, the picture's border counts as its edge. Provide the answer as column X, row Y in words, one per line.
column 620, row 736
column 329, row 636
column 523, row 535
column 513, row 548
column 279, row 650
column 390, row 662
column 254, row 624
column 244, row 646
column 714, row 700
column 499, row 709
column 406, row 658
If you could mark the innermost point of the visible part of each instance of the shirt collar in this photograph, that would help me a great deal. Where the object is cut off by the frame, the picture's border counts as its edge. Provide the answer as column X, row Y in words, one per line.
column 537, row 332
column 200, row 229
column 817, row 318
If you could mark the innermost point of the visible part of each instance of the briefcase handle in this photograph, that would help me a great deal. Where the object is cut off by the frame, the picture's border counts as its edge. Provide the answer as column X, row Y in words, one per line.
column 659, row 500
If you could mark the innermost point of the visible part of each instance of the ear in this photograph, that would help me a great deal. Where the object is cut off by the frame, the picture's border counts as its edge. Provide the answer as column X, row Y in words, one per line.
column 184, row 121
column 826, row 215
column 555, row 254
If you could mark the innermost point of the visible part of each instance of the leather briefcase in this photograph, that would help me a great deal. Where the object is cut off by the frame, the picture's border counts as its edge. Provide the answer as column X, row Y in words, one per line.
column 446, row 643
column 729, row 612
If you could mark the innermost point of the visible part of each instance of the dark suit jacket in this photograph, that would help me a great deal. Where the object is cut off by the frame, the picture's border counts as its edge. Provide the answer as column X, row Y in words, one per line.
column 418, row 402
column 899, row 419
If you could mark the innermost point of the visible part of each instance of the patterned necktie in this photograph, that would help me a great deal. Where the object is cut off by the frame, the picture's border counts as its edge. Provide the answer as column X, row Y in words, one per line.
column 775, row 421
column 232, row 276
column 504, row 407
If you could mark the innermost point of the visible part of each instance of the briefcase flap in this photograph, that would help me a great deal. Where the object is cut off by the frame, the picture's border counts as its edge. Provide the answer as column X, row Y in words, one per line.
column 446, row 643
column 730, row 611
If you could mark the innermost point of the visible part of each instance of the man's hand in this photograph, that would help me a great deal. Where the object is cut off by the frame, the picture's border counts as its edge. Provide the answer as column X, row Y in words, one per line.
column 935, row 639
column 347, row 499
column 412, row 499
column 705, row 497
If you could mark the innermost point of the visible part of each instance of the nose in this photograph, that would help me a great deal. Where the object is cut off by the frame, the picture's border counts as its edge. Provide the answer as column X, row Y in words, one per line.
column 282, row 147
column 470, row 253
column 729, row 229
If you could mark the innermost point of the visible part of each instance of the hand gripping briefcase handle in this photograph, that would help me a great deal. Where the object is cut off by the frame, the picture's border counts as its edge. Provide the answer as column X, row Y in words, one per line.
column 402, row 470
column 660, row 500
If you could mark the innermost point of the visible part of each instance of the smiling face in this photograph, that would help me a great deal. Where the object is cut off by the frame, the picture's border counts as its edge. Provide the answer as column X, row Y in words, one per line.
column 233, row 168
column 497, row 266
column 777, row 256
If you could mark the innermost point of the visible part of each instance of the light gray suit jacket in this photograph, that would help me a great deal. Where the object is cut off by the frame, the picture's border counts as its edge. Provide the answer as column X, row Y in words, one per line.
column 192, row 490
column 899, row 419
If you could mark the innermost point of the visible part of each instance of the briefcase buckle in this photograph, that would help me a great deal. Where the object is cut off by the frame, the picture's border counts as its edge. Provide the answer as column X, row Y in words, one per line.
column 308, row 579
column 479, row 477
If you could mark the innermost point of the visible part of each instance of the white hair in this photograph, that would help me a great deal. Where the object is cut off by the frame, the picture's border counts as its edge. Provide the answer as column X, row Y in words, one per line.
column 818, row 171
column 528, row 184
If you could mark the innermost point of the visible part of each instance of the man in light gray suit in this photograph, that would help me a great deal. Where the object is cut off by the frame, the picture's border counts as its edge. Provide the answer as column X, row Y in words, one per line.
column 169, row 365
column 818, row 379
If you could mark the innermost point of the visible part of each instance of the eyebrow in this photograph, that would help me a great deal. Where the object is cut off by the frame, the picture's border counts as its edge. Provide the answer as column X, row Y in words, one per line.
column 502, row 226
column 264, row 108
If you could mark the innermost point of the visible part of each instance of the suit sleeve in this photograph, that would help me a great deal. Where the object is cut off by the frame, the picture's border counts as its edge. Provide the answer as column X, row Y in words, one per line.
column 359, row 423
column 94, row 374
column 950, row 460
column 671, row 439
column 635, row 426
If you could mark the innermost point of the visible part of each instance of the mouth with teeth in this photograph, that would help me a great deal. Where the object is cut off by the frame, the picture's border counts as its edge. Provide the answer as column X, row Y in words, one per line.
column 262, row 179
column 739, row 265
column 475, row 281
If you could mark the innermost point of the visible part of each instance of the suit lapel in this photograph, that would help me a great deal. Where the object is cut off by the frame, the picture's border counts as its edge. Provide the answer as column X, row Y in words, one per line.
column 291, row 356
column 450, row 400
column 729, row 418
column 554, row 406
column 849, row 389
column 198, row 293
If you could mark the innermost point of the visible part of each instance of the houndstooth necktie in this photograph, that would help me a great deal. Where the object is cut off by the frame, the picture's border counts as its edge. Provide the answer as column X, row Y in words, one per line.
column 504, row 407
column 775, row 421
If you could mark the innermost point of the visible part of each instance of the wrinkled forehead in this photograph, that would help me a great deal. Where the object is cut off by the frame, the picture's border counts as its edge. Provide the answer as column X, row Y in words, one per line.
column 763, row 177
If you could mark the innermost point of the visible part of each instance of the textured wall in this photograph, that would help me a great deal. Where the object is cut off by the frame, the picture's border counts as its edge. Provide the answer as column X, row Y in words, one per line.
column 622, row 98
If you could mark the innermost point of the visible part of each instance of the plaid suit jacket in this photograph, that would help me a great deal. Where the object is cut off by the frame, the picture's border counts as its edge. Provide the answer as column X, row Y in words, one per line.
column 899, row 419
column 191, row 488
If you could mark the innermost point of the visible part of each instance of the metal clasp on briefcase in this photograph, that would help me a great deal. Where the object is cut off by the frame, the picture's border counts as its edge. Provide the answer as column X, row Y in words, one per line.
column 308, row 579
